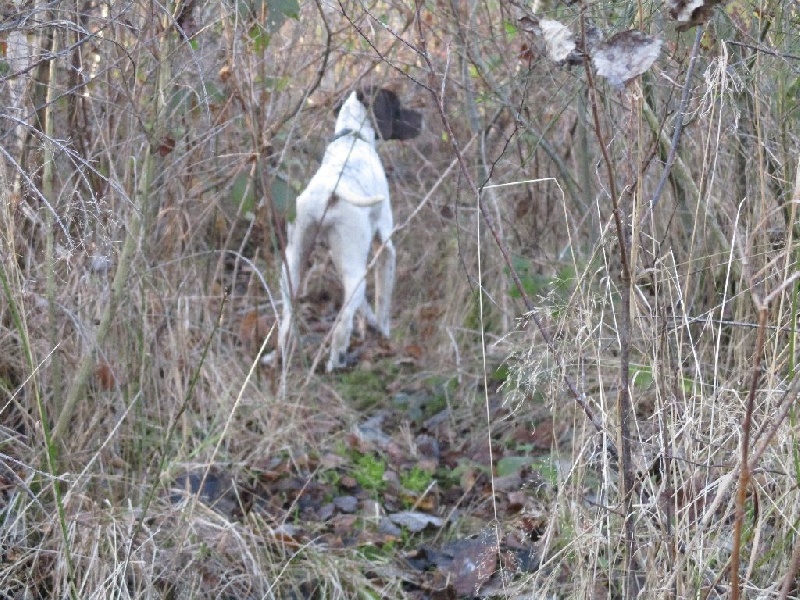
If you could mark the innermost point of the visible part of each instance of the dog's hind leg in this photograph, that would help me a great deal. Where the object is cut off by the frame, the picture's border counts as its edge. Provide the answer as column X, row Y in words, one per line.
column 300, row 238
column 354, row 292
column 384, row 284
column 349, row 251
column 367, row 316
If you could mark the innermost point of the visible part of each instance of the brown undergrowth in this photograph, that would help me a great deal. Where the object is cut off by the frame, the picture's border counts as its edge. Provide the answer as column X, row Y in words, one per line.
column 149, row 161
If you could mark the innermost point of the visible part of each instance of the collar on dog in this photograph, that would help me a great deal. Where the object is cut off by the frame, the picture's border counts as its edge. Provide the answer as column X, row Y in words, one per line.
column 348, row 131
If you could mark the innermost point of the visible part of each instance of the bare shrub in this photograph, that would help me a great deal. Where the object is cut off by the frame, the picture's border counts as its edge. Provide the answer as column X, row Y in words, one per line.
column 564, row 247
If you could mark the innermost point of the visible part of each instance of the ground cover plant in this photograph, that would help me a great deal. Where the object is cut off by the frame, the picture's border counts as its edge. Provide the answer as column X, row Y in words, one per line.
column 590, row 390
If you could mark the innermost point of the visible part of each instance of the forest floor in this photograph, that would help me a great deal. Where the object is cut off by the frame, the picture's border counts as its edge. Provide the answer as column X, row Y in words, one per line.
column 435, row 477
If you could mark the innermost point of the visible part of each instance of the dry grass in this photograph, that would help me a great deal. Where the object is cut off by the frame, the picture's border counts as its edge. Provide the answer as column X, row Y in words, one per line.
column 133, row 246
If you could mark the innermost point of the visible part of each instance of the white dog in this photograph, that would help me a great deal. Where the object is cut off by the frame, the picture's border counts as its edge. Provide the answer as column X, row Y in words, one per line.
column 347, row 204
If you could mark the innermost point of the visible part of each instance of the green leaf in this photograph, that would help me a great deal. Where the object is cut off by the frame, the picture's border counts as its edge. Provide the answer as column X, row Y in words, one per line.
column 266, row 17
column 508, row 465
column 642, row 376
column 500, row 374
column 259, row 37
column 214, row 93
column 283, row 197
column 277, row 11
column 793, row 91
column 278, row 84
column 179, row 102
column 547, row 469
column 244, row 11
column 243, row 193
column 290, row 8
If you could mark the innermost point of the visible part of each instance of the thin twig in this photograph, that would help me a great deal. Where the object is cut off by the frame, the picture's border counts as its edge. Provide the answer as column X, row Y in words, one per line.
column 625, row 411
column 763, row 50
column 744, row 472
column 789, row 578
column 676, row 135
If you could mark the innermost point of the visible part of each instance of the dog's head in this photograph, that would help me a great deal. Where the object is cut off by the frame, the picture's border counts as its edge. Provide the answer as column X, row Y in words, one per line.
column 379, row 109
column 392, row 121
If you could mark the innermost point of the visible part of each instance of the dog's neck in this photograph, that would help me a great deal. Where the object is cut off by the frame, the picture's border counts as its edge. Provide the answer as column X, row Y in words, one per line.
column 356, row 134
column 354, row 120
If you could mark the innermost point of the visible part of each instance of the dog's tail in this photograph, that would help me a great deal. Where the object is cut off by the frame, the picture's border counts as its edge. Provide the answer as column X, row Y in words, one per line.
column 358, row 199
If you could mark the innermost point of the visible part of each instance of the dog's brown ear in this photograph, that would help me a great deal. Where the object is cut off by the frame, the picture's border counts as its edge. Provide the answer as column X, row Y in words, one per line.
column 385, row 107
column 407, row 124
column 393, row 121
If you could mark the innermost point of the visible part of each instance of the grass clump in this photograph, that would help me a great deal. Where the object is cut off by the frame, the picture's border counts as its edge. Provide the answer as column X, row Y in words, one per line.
column 416, row 479
column 368, row 472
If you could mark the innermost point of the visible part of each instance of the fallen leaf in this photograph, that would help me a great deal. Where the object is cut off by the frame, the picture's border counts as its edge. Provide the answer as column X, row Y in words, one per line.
column 508, row 483
column 347, row 482
column 287, row 535
column 516, row 501
column 473, row 562
column 344, row 524
column 468, row 479
column 525, row 53
column 427, row 502
column 414, row 351
column 512, row 465
column 428, row 447
column 386, row 527
column 330, row 460
column 252, row 331
column 543, row 436
column 346, row 504
column 415, row 521
column 326, row 511
column 166, row 146
column 104, row 375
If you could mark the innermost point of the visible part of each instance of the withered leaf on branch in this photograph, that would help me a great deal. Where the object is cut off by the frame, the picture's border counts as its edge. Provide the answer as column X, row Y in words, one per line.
column 592, row 36
column 619, row 59
column 625, row 55
column 690, row 13
column 559, row 40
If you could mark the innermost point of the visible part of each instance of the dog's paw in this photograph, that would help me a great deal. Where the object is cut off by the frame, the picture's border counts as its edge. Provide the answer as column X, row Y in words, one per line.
column 336, row 364
column 345, row 360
